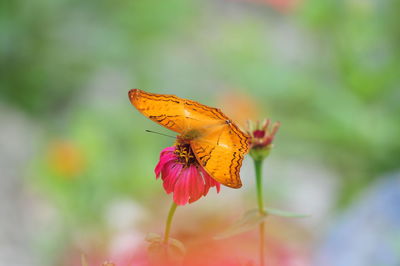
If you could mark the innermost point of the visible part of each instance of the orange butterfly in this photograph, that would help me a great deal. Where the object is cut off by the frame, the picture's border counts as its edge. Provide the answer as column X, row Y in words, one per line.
column 218, row 143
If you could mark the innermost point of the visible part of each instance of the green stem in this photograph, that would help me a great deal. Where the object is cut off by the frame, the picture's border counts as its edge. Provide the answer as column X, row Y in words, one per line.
column 260, row 200
column 169, row 221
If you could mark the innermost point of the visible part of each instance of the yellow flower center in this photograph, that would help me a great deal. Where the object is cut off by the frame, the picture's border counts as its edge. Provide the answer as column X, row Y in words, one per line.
column 185, row 154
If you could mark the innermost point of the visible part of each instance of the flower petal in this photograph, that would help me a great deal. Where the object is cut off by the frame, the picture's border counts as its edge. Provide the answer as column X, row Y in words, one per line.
column 172, row 176
column 167, row 168
column 181, row 189
column 197, row 185
column 166, row 155
column 209, row 182
column 217, row 186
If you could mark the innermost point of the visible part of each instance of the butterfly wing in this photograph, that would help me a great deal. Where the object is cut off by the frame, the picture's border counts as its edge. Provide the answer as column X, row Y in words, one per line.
column 174, row 113
column 221, row 154
column 166, row 110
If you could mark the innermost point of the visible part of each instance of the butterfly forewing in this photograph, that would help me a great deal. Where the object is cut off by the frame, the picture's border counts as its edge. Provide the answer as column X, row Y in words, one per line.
column 166, row 110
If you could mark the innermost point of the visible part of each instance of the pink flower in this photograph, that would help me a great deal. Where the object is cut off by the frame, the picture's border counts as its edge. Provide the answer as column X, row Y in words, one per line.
column 182, row 175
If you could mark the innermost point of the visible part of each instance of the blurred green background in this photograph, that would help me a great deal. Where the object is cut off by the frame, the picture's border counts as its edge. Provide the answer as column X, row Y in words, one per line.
column 72, row 144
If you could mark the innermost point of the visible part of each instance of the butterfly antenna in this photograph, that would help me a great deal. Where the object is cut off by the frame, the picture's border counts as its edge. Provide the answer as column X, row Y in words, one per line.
column 160, row 133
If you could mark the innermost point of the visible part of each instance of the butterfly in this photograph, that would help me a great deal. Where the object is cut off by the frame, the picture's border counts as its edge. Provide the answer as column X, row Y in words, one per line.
column 217, row 142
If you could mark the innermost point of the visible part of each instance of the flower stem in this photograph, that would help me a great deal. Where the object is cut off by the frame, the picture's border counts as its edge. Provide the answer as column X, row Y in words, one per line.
column 258, row 169
column 169, row 221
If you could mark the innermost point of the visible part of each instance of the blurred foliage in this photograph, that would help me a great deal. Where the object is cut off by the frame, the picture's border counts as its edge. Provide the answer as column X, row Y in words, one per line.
column 328, row 70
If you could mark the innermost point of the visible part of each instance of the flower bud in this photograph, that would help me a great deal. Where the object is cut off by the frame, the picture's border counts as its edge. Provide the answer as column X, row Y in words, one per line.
column 262, row 135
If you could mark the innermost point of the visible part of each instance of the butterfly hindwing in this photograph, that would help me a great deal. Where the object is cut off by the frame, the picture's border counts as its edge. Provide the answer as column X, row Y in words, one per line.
column 221, row 154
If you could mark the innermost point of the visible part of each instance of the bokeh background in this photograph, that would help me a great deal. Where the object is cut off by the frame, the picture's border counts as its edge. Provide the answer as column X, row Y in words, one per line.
column 76, row 166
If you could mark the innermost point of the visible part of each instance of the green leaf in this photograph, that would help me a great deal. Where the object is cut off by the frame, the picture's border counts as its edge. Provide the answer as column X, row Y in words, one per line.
column 253, row 218
column 172, row 242
column 161, row 253
column 248, row 221
column 177, row 244
column 153, row 237
column 287, row 214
